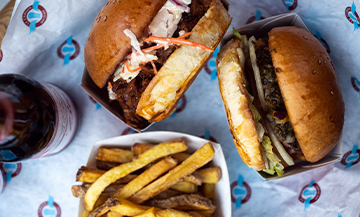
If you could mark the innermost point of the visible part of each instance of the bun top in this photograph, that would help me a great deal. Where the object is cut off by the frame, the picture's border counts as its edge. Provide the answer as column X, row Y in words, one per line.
column 310, row 90
column 107, row 44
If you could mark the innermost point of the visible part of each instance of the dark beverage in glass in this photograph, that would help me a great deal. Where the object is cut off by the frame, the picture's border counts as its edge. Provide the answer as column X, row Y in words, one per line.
column 36, row 119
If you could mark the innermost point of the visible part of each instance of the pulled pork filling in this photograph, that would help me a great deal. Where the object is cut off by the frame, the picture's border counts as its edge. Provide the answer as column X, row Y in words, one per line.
column 128, row 93
column 278, row 118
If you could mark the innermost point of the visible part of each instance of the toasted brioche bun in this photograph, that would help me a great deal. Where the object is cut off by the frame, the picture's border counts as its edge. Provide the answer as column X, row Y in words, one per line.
column 160, row 98
column 107, row 44
column 232, row 83
column 310, row 90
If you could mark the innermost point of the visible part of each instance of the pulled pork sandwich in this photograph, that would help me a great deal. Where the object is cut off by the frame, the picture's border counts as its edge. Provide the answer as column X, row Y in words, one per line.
column 148, row 52
column 282, row 98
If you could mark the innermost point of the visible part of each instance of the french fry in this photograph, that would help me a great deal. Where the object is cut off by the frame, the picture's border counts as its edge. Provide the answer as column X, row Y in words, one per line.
column 208, row 190
column 194, row 214
column 181, row 156
column 194, row 178
column 149, row 213
column 145, row 178
column 127, row 208
column 116, row 155
column 85, row 214
column 210, row 175
column 159, row 151
column 103, row 208
column 104, row 165
column 207, row 213
column 172, row 213
column 101, row 200
column 80, row 190
column 89, row 175
column 184, row 202
column 113, row 214
column 185, row 187
column 168, row 193
column 202, row 156
column 139, row 148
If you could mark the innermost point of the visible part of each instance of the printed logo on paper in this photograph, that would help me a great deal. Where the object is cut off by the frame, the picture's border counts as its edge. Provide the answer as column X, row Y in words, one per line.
column 128, row 130
column 180, row 106
column 257, row 16
column 98, row 106
column 322, row 41
column 356, row 84
column 34, row 16
column 208, row 136
column 1, row 55
column 11, row 170
column 310, row 194
column 290, row 4
column 352, row 16
column 68, row 50
column 210, row 66
column 351, row 157
column 49, row 208
column 240, row 191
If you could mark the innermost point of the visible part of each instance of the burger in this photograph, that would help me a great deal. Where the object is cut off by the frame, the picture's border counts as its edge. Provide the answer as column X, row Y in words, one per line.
column 282, row 98
column 146, row 53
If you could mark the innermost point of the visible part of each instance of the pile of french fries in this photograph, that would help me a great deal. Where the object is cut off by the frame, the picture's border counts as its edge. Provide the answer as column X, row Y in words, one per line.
column 150, row 181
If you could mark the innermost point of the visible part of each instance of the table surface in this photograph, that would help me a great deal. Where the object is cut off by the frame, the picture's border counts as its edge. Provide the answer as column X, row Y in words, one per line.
column 45, row 184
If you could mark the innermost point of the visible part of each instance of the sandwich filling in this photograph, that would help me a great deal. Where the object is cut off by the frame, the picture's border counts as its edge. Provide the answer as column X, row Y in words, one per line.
column 279, row 130
column 166, row 32
column 277, row 115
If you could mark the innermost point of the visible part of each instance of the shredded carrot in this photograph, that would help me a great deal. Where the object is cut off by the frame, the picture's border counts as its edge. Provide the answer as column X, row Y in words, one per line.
column 159, row 45
column 153, row 65
column 131, row 70
column 109, row 84
column 185, row 35
column 178, row 41
column 123, row 70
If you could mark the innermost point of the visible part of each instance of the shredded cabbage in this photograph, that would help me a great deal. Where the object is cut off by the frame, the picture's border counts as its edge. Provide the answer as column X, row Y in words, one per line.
column 236, row 33
column 274, row 161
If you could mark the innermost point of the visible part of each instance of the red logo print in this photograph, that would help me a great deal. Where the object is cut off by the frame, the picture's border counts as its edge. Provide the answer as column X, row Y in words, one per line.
column 68, row 50
column 351, row 158
column 257, row 16
column 49, row 209
column 310, row 194
column 127, row 130
column 1, row 55
column 355, row 83
column 11, row 169
column 240, row 191
column 290, row 4
column 34, row 16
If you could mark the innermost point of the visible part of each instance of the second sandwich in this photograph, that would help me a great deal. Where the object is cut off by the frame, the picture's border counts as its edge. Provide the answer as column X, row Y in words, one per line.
column 282, row 98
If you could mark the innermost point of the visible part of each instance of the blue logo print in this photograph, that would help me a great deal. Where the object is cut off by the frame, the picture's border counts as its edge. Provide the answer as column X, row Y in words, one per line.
column 290, row 4
column 34, row 15
column 356, row 84
column 322, row 41
column 352, row 16
column 49, row 208
column 351, row 158
column 240, row 191
column 10, row 169
column 310, row 194
column 68, row 50
column 210, row 66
